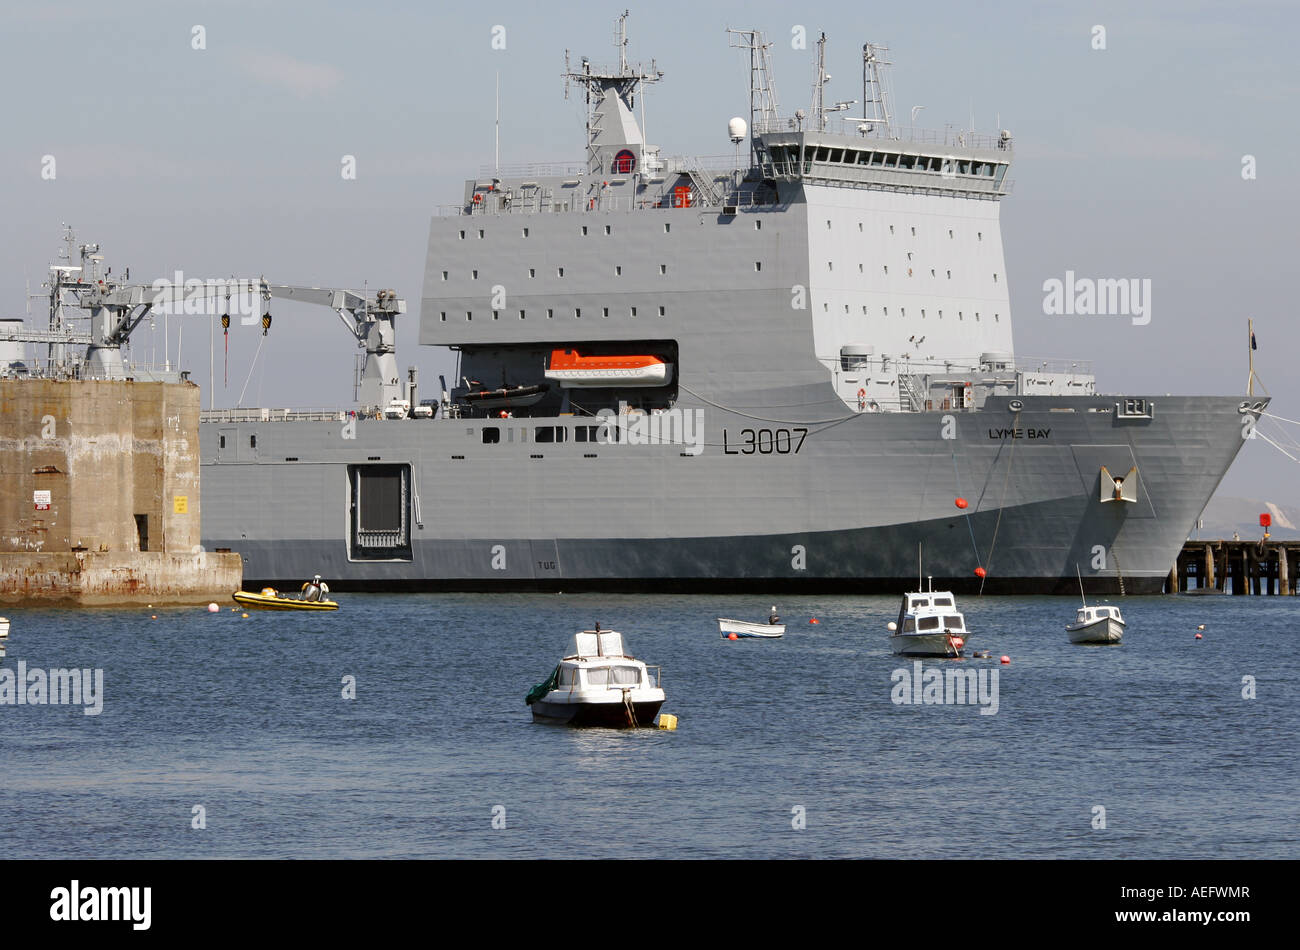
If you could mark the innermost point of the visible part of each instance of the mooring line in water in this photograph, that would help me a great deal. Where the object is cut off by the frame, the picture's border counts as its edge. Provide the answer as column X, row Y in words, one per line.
column 966, row 512
column 1001, row 505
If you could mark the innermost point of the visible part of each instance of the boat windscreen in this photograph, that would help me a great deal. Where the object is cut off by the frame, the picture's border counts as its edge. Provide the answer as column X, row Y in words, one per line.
column 953, row 622
column 928, row 623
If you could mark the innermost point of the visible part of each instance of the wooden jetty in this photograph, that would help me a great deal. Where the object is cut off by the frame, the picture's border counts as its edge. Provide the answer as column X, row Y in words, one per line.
column 1238, row 567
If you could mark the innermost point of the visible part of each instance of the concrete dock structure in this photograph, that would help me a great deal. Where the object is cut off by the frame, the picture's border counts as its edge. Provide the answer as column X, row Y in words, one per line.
column 99, row 495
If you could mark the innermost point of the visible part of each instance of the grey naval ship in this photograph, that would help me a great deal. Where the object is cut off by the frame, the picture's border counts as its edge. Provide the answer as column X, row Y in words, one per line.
column 788, row 368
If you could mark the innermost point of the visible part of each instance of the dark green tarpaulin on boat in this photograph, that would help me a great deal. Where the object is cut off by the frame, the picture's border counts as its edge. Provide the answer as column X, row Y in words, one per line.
column 541, row 689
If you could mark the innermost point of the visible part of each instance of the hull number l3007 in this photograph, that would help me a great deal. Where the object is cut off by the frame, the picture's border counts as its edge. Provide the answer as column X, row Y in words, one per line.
column 765, row 442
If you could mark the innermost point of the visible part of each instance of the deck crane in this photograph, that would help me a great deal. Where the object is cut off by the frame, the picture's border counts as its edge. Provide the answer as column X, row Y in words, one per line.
column 368, row 317
column 117, row 307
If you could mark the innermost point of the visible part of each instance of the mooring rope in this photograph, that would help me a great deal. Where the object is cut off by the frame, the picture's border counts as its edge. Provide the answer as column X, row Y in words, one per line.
column 1001, row 505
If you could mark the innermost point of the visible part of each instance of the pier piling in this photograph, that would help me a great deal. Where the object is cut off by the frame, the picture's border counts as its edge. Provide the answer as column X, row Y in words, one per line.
column 1240, row 567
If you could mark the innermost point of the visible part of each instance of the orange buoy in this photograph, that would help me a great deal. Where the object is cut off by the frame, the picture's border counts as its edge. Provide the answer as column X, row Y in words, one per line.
column 980, row 572
column 960, row 502
column 814, row 620
column 1198, row 636
column 732, row 636
column 1005, row 659
column 958, row 643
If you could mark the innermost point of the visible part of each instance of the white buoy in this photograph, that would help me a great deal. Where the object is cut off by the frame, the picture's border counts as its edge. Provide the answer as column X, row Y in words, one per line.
column 213, row 608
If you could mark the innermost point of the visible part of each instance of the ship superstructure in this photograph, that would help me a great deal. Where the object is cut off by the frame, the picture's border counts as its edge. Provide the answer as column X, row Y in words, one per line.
column 785, row 368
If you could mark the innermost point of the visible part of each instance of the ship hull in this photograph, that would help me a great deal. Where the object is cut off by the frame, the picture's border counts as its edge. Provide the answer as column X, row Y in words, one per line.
column 845, row 512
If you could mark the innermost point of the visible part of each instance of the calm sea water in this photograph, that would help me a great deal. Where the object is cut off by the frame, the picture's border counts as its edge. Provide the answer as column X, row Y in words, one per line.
column 245, row 718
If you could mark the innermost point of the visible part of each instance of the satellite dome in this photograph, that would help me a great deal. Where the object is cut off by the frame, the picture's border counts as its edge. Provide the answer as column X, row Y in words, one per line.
column 737, row 129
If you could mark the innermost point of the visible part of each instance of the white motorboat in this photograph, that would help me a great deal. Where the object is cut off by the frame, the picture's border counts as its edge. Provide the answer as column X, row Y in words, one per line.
column 772, row 630
column 598, row 683
column 929, row 624
column 1097, row 624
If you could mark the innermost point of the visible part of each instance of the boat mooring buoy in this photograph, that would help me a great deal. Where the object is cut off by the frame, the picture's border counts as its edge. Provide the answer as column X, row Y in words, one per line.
column 1006, row 660
column 814, row 620
column 1198, row 636
column 732, row 636
column 213, row 608
column 667, row 721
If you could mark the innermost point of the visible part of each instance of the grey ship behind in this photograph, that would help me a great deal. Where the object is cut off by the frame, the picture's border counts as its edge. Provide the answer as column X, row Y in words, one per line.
column 785, row 371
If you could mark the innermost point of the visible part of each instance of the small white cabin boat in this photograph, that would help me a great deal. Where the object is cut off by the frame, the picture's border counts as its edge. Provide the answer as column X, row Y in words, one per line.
column 598, row 683
column 929, row 624
column 1096, row 624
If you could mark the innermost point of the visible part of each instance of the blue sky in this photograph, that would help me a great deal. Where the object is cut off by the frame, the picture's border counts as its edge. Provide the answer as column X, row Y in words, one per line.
column 226, row 160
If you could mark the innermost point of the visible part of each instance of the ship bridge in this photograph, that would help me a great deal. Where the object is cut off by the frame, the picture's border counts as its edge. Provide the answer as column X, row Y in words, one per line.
column 858, row 152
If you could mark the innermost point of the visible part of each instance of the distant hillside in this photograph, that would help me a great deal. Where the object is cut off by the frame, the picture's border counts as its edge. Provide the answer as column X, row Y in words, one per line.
column 1223, row 516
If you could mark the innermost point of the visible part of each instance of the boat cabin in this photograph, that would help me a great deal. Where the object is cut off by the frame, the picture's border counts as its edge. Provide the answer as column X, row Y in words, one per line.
column 598, row 658
column 1094, row 614
column 930, row 612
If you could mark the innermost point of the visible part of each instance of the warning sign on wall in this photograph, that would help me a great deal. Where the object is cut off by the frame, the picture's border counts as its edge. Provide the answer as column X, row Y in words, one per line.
column 41, row 499
column 180, row 504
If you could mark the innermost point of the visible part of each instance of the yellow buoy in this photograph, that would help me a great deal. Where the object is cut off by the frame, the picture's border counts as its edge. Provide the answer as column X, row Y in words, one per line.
column 667, row 721
column 243, row 615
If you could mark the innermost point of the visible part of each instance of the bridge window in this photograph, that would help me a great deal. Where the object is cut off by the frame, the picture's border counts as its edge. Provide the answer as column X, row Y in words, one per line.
column 491, row 435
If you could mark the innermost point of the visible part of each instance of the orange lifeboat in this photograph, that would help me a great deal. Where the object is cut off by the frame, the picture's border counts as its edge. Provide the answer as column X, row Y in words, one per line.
column 572, row 370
